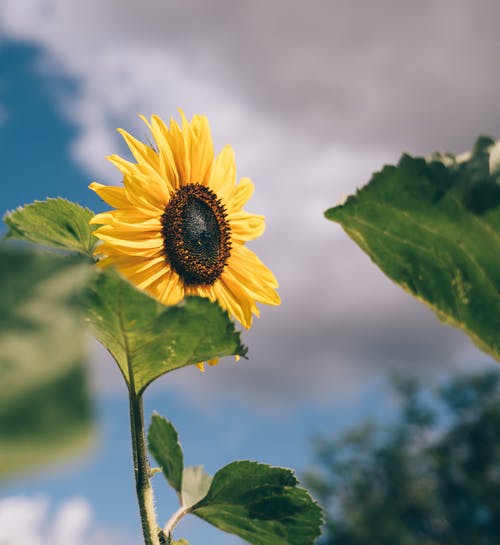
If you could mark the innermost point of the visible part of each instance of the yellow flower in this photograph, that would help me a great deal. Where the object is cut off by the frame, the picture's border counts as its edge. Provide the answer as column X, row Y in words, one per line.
column 179, row 227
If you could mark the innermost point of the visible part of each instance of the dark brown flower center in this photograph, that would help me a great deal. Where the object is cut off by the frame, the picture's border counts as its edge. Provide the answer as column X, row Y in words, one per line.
column 196, row 234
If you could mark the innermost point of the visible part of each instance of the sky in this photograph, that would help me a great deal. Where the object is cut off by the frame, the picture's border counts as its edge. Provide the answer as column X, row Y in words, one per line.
column 313, row 97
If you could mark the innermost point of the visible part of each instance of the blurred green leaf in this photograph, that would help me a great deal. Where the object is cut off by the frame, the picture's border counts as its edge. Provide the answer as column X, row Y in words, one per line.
column 163, row 443
column 195, row 485
column 261, row 504
column 152, row 339
column 44, row 402
column 180, row 541
column 433, row 226
column 56, row 223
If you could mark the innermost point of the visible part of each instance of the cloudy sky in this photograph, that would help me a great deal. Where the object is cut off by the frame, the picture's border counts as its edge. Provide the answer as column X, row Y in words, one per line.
column 313, row 96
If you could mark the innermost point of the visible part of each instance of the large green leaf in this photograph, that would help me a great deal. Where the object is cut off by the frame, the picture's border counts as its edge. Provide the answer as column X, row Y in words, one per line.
column 433, row 226
column 261, row 504
column 163, row 443
column 151, row 339
column 44, row 402
column 56, row 223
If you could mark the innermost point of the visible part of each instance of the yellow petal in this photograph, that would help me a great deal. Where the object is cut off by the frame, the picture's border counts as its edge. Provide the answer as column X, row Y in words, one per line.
column 201, row 150
column 223, row 175
column 129, row 265
column 172, row 290
column 243, row 191
column 107, row 249
column 143, row 179
column 128, row 218
column 142, row 152
column 256, row 289
column 234, row 300
column 245, row 226
column 126, row 239
column 113, row 195
column 143, row 279
column 145, row 194
column 166, row 159
column 176, row 140
column 124, row 166
column 244, row 259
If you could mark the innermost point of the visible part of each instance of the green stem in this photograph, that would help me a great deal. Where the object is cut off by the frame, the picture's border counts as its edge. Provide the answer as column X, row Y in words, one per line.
column 143, row 486
column 141, row 469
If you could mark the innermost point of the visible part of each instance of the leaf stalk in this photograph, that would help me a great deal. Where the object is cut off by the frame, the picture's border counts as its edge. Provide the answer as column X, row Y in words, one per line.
column 175, row 519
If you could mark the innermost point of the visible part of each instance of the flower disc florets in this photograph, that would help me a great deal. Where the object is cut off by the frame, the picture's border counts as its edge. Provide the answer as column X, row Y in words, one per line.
column 196, row 235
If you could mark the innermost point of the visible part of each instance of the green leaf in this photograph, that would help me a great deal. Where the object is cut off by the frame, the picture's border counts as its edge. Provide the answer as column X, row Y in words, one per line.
column 45, row 411
column 180, row 541
column 433, row 226
column 195, row 485
column 55, row 223
column 163, row 443
column 152, row 339
column 261, row 504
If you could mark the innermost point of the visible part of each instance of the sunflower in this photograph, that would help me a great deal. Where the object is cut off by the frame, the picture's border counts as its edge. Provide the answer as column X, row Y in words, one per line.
column 178, row 227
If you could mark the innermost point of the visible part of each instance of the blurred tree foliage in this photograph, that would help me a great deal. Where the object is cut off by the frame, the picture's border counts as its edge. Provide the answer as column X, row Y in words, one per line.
column 431, row 476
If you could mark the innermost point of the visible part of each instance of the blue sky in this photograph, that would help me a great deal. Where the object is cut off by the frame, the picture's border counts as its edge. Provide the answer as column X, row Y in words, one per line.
column 34, row 136
column 311, row 114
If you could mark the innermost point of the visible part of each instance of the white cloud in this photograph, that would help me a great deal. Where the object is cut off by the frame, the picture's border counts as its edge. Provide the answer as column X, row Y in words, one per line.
column 21, row 520
column 314, row 97
column 70, row 522
column 32, row 521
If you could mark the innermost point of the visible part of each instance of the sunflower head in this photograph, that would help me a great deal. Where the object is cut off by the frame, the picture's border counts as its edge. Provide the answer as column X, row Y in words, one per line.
column 178, row 226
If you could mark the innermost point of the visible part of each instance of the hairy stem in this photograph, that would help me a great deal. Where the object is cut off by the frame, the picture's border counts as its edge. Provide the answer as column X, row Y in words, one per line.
column 141, row 469
column 143, row 486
